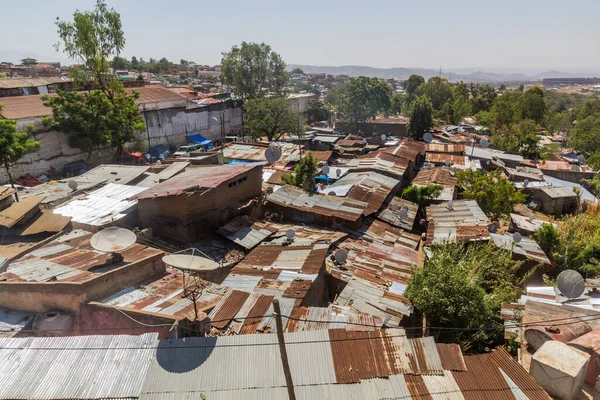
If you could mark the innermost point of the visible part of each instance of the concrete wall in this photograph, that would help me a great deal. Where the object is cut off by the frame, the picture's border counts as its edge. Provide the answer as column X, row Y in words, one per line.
column 300, row 103
column 68, row 296
column 166, row 125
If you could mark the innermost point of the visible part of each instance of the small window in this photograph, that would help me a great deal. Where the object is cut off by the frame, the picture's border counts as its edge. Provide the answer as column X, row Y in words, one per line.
column 245, row 179
column 240, row 180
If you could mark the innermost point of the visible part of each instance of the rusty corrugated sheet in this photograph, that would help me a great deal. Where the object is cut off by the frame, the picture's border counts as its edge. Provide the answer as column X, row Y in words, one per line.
column 391, row 213
column 440, row 158
column 417, row 388
column 227, row 310
column 256, row 315
column 297, row 289
column 272, row 258
column 17, row 211
column 369, row 187
column 518, row 374
column 451, row 357
column 47, row 222
column 445, row 148
column 438, row 175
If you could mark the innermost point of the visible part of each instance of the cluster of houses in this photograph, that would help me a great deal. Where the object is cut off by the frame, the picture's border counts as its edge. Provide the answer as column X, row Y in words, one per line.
column 337, row 261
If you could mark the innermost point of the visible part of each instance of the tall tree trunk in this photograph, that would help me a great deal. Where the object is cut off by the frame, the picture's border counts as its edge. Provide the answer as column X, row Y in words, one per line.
column 89, row 156
column 10, row 179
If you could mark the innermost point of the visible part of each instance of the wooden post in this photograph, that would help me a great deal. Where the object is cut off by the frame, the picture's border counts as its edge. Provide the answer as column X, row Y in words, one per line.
column 283, row 351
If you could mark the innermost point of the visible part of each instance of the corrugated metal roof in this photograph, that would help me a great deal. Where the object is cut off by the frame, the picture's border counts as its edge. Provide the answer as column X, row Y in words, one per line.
column 382, row 232
column 464, row 222
column 523, row 223
column 441, row 158
column 330, row 317
column 46, row 222
column 526, row 247
column 369, row 187
column 246, row 231
column 80, row 367
column 172, row 170
column 18, row 210
column 376, row 162
column 444, row 148
column 438, row 175
column 305, row 234
column 391, row 213
column 196, row 178
column 296, row 198
column 107, row 173
column 256, row 152
column 305, row 258
column 451, row 357
column 559, row 192
column 585, row 194
column 6, row 192
column 103, row 206
column 12, row 83
column 489, row 154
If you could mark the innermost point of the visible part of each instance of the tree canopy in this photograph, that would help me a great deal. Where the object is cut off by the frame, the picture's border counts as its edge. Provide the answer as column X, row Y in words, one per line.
column 271, row 117
column 420, row 194
column 254, row 70
column 495, row 194
column 421, row 116
column 14, row 145
column 464, row 286
column 363, row 98
column 304, row 174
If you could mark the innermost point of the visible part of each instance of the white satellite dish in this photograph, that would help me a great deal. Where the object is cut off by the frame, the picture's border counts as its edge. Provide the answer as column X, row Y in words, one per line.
column 403, row 213
column 531, row 218
column 383, row 137
column 484, row 143
column 326, row 170
column 364, row 140
column 113, row 240
column 341, row 151
column 492, row 228
column 290, row 234
column 190, row 262
column 341, row 255
column 581, row 159
column 447, row 162
column 526, row 183
column 72, row 184
column 332, row 193
column 273, row 154
column 453, row 170
column 450, row 205
column 571, row 284
column 487, row 162
column 394, row 207
column 338, row 172
column 427, row 138
column 575, row 168
column 423, row 152
column 517, row 237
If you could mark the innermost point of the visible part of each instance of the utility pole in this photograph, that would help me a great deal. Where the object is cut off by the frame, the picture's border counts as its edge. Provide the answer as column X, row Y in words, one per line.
column 284, row 358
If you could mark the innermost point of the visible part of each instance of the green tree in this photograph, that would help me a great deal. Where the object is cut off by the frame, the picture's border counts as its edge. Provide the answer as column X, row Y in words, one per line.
column 334, row 96
column 531, row 105
column 461, row 289
column 482, row 97
column 438, row 90
column 397, row 104
column 135, row 64
column 495, row 194
column 164, row 65
column 548, row 237
column 421, row 194
column 271, row 117
column 119, row 63
column 14, row 145
column 304, row 174
column 414, row 82
column 520, row 137
column 317, row 111
column 421, row 117
column 363, row 98
column 91, row 39
column 254, row 70
column 297, row 71
column 585, row 138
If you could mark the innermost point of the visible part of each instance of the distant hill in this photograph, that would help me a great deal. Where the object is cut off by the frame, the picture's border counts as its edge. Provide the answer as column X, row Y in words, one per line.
column 404, row 73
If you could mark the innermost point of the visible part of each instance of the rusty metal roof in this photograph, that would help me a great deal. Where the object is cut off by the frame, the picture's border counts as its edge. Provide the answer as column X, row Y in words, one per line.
column 330, row 317
column 46, row 222
column 381, row 232
column 321, row 155
column 444, row 148
column 6, row 192
column 13, row 83
column 464, row 222
column 296, row 198
column 527, row 247
column 451, row 357
column 391, row 213
column 305, row 258
column 256, row 152
column 440, row 158
column 70, row 258
column 306, row 234
column 18, row 210
column 246, row 231
column 438, row 175
column 196, row 179
column 369, row 187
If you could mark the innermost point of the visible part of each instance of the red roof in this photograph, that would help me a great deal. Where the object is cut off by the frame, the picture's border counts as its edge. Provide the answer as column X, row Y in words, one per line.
column 196, row 178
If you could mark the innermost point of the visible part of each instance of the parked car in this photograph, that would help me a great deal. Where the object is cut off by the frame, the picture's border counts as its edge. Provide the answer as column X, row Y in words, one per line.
column 183, row 151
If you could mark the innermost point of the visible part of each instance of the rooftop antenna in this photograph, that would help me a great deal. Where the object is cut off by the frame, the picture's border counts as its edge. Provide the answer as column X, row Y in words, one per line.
column 571, row 284
column 427, row 137
column 273, row 154
column 112, row 241
column 72, row 184
column 290, row 234
column 195, row 263
column 340, row 256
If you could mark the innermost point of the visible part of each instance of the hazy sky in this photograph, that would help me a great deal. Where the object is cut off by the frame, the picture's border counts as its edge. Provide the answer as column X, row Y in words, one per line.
column 540, row 34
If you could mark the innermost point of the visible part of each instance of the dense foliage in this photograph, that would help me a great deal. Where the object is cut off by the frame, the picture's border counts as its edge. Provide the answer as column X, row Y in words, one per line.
column 461, row 289
column 495, row 194
column 363, row 98
column 575, row 244
column 420, row 194
column 271, row 117
column 14, row 145
column 304, row 174
column 421, row 119
column 254, row 70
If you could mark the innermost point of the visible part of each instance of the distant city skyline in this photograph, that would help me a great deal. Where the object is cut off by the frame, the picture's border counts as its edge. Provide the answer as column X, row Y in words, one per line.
column 512, row 36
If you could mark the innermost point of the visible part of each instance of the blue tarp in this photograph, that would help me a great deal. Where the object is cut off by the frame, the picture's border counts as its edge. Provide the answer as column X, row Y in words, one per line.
column 236, row 162
column 197, row 138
